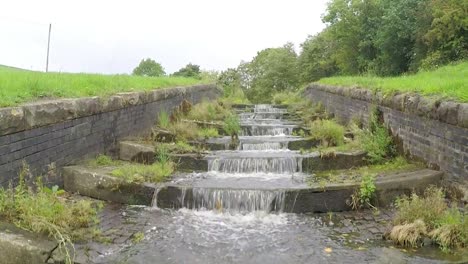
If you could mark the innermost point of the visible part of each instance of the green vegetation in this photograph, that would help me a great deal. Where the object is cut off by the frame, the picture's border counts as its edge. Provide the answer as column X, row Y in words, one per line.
column 363, row 196
column 209, row 111
column 180, row 147
column 429, row 215
column 329, row 132
column 138, row 173
column 368, row 38
column 138, row 237
column 37, row 208
column 190, row 71
column 208, row 133
column 149, row 68
column 450, row 81
column 19, row 86
column 232, row 126
column 103, row 160
column 376, row 140
column 230, row 81
column 163, row 119
column 395, row 165
column 156, row 172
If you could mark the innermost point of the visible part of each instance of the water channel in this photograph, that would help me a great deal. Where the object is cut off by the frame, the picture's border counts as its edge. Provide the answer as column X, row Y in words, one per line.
column 236, row 212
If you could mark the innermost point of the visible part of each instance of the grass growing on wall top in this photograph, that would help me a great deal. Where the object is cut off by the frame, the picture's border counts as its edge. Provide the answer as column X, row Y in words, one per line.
column 450, row 81
column 19, row 86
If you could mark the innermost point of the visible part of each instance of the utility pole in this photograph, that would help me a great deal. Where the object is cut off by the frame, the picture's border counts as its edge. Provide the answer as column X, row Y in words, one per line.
column 48, row 46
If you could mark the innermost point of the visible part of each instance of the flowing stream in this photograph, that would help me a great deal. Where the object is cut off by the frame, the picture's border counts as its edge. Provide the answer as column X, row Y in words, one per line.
column 236, row 210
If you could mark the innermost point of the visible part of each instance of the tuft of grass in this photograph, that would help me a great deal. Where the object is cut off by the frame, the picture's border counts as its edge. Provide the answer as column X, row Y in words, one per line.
column 328, row 132
column 20, row 86
column 139, row 173
column 447, row 226
column 209, row 111
column 409, row 235
column 208, row 132
column 40, row 209
column 427, row 208
column 450, row 82
column 287, row 98
column 452, row 230
column 184, row 130
column 138, row 237
column 163, row 119
column 103, row 160
column 397, row 164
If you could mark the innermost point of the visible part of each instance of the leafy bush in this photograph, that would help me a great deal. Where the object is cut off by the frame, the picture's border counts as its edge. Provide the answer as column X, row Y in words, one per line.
column 232, row 125
column 328, row 132
column 286, row 98
column 452, row 230
column 366, row 192
column 376, row 140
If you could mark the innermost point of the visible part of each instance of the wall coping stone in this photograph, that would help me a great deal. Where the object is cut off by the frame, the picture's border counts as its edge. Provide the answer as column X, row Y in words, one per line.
column 450, row 112
column 47, row 112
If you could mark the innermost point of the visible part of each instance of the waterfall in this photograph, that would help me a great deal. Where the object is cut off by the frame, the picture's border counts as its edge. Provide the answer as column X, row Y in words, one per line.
column 255, row 165
column 263, row 108
column 255, row 130
column 235, row 201
column 263, row 146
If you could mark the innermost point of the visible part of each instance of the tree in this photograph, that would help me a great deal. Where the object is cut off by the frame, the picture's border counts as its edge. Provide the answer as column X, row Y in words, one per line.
column 190, row 71
column 149, row 67
column 447, row 38
column 272, row 70
column 316, row 59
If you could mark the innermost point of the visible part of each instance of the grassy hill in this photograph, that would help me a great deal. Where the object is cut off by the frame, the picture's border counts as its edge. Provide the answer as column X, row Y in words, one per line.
column 19, row 86
column 450, row 81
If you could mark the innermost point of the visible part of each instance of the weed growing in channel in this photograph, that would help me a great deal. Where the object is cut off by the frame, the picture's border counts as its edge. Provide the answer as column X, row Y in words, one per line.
column 163, row 119
column 376, row 140
column 40, row 209
column 103, row 160
column 363, row 196
column 328, row 132
column 156, row 172
column 448, row 227
column 208, row 133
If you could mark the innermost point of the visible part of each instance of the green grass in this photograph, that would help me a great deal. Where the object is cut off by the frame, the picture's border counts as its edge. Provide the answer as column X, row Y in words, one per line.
column 39, row 209
column 450, row 81
column 138, row 173
column 395, row 165
column 19, row 86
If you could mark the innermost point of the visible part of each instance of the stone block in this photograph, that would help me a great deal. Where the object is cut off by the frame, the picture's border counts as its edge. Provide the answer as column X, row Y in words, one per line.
column 12, row 120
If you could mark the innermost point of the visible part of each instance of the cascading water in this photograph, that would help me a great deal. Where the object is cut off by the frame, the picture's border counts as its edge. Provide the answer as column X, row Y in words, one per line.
column 263, row 146
column 235, row 201
column 279, row 165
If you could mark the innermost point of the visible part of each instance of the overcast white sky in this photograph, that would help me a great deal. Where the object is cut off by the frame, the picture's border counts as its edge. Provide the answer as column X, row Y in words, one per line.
column 113, row 36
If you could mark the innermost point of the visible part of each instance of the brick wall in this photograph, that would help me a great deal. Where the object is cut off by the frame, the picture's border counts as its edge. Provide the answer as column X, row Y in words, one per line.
column 438, row 143
column 83, row 132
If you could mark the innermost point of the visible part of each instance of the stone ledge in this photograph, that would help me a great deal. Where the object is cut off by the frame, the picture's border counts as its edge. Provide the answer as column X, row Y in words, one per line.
column 42, row 113
column 450, row 112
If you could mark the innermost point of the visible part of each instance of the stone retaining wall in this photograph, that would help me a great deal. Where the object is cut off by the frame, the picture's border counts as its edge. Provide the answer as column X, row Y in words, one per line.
column 67, row 130
column 429, row 129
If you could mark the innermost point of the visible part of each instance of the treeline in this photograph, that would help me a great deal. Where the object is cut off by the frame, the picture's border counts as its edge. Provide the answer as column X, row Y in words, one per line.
column 378, row 37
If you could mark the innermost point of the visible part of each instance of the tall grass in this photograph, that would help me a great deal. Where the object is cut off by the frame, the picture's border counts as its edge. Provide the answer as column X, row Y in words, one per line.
column 19, row 86
column 450, row 81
